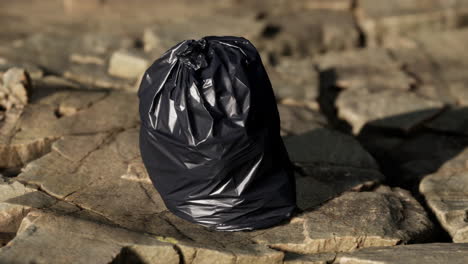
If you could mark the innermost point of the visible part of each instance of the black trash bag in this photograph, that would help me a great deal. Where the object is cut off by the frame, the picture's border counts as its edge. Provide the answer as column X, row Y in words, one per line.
column 210, row 136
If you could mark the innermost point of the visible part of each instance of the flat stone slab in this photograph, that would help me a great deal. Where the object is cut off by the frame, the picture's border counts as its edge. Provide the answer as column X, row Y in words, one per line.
column 127, row 65
column 295, row 81
column 95, row 75
column 445, row 191
column 328, row 147
column 94, row 165
column 33, row 71
column 273, row 8
column 386, row 22
column 16, row 200
column 159, row 38
column 307, row 32
column 83, row 58
column 326, row 4
column 432, row 253
column 329, row 163
column 56, row 109
column 367, row 96
column 297, row 120
column 388, row 109
column 351, row 221
column 437, row 63
column 320, row 258
column 63, row 239
column 366, row 69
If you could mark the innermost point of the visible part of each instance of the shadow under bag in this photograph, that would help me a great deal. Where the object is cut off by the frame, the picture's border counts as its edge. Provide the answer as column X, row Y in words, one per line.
column 210, row 136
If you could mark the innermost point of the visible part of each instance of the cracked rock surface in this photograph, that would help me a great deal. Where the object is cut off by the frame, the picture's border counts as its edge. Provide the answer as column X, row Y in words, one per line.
column 97, row 169
column 372, row 97
column 383, row 22
column 57, row 110
column 446, row 194
column 427, row 253
column 81, row 241
column 354, row 220
column 368, row 97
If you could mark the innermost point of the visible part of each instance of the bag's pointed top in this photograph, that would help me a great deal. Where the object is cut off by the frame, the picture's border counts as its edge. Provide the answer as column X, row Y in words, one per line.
column 194, row 54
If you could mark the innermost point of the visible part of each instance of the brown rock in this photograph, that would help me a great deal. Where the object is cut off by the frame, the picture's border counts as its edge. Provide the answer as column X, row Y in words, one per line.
column 33, row 70
column 437, row 63
column 275, row 7
column 236, row 254
column 354, row 220
column 94, row 180
column 86, row 59
column 137, row 253
column 252, row 253
column 56, row 111
column 77, row 56
column 384, row 22
column 206, row 255
column 459, row 91
column 15, row 202
column 160, row 38
column 297, row 120
column 296, row 81
column 446, row 194
column 127, row 65
column 136, row 171
column 53, row 48
column 308, row 32
column 432, row 253
column 326, row 4
column 366, row 69
column 321, row 258
column 15, row 89
column 96, row 75
column 7, row 131
column 388, row 109
column 62, row 239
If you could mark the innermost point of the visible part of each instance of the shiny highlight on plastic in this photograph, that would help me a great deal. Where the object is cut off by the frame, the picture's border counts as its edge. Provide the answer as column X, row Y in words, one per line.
column 210, row 136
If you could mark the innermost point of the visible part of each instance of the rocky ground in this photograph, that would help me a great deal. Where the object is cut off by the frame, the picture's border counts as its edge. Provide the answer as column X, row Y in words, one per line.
column 373, row 98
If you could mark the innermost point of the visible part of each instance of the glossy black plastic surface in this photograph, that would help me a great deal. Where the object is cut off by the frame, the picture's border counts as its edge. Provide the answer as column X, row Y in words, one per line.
column 210, row 136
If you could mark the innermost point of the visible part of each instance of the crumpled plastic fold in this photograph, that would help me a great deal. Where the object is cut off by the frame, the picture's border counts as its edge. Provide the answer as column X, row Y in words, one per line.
column 210, row 136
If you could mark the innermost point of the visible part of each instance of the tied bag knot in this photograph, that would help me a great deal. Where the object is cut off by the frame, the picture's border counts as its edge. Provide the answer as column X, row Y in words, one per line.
column 193, row 56
column 218, row 159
